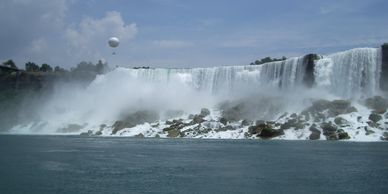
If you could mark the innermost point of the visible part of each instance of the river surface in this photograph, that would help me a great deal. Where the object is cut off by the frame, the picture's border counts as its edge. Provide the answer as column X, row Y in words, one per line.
column 74, row 164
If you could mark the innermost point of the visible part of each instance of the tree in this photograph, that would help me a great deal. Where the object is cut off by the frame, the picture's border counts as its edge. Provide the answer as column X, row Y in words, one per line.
column 100, row 67
column 32, row 67
column 46, row 68
column 59, row 69
column 10, row 63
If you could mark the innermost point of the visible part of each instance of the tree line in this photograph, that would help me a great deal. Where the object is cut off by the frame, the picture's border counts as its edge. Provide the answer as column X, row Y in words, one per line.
column 83, row 66
column 267, row 60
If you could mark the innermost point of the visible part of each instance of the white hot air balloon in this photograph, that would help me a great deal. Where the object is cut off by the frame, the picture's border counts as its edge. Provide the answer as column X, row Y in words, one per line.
column 114, row 42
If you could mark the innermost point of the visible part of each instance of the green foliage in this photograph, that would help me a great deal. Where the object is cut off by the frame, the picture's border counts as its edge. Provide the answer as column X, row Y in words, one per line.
column 46, row 68
column 58, row 69
column 267, row 60
column 10, row 63
column 32, row 67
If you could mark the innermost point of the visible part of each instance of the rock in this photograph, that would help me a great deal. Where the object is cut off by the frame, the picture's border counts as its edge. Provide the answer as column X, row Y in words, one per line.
column 270, row 133
column 197, row 119
column 377, row 103
column 315, row 133
column 340, row 121
column 88, row 133
column 223, row 121
column 368, row 131
column 306, row 115
column 245, row 123
column 338, row 107
column 174, row 133
column 98, row 133
column 385, row 136
column 351, row 109
column 294, row 115
column 157, row 136
column 205, row 112
column 264, row 131
column 330, row 131
column 140, row 135
column 373, row 124
column 319, row 106
column 342, row 134
column 375, row 117
column 292, row 123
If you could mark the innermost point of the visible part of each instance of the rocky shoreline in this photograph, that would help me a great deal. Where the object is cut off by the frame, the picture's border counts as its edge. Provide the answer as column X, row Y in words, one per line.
column 323, row 120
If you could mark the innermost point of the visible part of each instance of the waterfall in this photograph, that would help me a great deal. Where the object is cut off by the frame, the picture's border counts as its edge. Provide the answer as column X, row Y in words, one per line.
column 215, row 80
column 352, row 73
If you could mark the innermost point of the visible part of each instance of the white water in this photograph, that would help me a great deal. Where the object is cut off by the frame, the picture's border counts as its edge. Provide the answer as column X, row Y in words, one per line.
column 350, row 74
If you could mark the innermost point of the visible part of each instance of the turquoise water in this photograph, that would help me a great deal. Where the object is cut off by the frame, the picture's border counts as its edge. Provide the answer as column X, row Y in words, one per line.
column 73, row 164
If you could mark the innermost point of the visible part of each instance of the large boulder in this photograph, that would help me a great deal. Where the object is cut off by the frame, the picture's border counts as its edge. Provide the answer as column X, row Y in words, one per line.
column 375, row 117
column 330, row 131
column 342, row 134
column 264, row 131
column 174, row 133
column 315, row 133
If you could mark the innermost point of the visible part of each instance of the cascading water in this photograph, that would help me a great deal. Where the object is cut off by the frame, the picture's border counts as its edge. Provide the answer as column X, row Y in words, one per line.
column 354, row 73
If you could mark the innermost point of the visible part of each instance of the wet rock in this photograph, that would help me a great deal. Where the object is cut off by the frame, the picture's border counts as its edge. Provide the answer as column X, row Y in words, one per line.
column 330, row 131
column 264, row 131
column 205, row 112
column 338, row 107
column 223, row 121
column 305, row 115
column 375, row 117
column 245, row 123
column 376, row 103
column 342, row 134
column 88, row 133
column 98, row 133
column 340, row 121
column 292, row 123
column 140, row 135
column 174, row 133
column 373, row 124
column 319, row 105
column 351, row 109
column 315, row 133
column 385, row 136
column 294, row 115
column 197, row 119
column 368, row 131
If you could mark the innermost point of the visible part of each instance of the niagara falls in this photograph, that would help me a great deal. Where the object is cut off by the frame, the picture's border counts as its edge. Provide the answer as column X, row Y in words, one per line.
column 169, row 96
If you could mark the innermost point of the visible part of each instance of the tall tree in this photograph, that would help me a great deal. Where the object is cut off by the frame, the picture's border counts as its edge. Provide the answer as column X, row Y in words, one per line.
column 32, row 67
column 46, row 68
column 10, row 63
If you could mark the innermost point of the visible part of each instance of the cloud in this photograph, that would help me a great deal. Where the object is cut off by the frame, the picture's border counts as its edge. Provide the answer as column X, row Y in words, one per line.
column 90, row 37
column 172, row 44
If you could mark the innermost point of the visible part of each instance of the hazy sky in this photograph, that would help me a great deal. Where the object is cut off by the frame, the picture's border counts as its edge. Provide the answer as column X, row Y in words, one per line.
column 183, row 33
